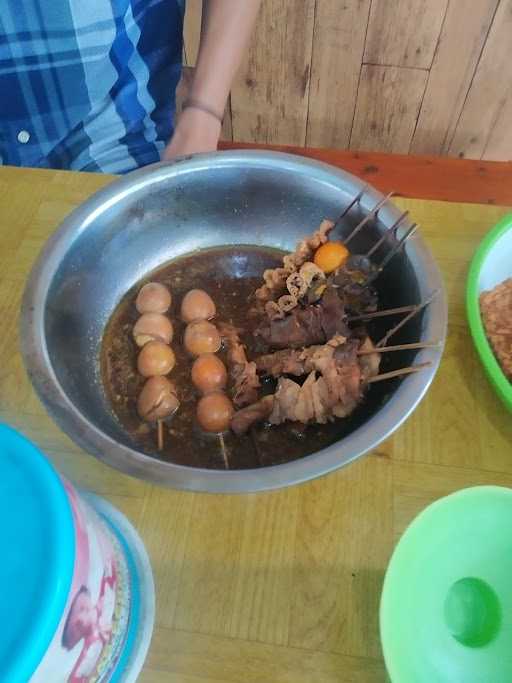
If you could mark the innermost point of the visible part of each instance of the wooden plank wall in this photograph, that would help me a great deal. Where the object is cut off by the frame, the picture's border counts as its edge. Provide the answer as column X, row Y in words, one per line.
column 405, row 76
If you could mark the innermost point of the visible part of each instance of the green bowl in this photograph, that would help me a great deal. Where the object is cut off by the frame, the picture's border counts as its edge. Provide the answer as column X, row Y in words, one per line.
column 446, row 607
column 491, row 264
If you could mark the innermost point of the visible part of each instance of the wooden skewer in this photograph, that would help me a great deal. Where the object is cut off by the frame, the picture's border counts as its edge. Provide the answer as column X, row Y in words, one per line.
column 394, row 251
column 160, row 428
column 380, row 314
column 387, row 232
column 254, row 440
column 408, row 233
column 356, row 199
column 398, row 373
column 367, row 218
column 399, row 347
column 402, row 322
column 224, row 451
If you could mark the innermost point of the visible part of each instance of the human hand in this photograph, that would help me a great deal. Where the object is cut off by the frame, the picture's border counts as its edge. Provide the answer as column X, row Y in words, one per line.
column 196, row 131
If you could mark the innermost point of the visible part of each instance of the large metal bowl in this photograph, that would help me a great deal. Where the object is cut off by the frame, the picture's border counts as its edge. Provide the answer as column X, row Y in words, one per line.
column 160, row 212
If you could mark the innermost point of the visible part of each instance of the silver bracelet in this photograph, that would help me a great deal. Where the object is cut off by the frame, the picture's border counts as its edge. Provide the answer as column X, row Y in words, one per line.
column 190, row 103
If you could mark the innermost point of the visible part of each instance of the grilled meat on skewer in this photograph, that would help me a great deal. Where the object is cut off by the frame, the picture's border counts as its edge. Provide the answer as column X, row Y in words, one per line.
column 275, row 278
column 304, row 326
column 336, row 377
column 242, row 372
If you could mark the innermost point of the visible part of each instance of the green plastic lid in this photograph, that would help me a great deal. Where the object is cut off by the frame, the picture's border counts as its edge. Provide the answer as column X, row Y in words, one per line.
column 446, row 608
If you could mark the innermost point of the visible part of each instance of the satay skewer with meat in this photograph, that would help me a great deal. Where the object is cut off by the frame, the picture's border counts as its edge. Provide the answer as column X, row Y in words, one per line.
column 337, row 374
column 243, row 373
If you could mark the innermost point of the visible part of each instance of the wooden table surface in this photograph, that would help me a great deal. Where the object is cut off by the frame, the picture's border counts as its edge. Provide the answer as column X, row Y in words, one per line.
column 417, row 176
column 284, row 586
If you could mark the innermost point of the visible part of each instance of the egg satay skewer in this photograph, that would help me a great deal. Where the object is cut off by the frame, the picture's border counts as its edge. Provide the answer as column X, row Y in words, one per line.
column 153, row 332
column 209, row 375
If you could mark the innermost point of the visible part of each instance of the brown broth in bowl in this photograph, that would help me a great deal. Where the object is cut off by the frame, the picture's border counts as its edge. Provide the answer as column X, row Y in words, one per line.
column 230, row 275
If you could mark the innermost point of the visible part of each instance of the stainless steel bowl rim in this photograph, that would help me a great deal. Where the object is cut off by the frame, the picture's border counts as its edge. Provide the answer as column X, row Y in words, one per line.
column 86, row 434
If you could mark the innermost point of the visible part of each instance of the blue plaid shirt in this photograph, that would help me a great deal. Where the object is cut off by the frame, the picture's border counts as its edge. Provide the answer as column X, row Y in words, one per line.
column 88, row 84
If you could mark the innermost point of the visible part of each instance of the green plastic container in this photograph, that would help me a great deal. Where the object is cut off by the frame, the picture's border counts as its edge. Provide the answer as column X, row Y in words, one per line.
column 491, row 264
column 446, row 607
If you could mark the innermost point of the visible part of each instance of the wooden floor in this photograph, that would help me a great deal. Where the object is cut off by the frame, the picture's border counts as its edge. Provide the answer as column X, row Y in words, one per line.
column 281, row 587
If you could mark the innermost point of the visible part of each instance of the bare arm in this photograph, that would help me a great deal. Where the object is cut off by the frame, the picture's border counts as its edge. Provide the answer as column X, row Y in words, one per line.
column 225, row 30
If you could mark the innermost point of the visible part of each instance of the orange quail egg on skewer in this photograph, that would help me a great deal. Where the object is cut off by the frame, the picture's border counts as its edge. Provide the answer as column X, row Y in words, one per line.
column 200, row 337
column 153, row 298
column 155, row 358
column 214, row 412
column 331, row 256
column 197, row 305
column 158, row 400
column 153, row 327
column 209, row 373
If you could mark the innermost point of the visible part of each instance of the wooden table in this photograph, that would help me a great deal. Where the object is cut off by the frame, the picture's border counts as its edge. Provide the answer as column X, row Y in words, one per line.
column 285, row 586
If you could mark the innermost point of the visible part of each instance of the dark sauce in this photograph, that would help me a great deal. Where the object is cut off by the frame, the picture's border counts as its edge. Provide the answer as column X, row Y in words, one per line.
column 230, row 275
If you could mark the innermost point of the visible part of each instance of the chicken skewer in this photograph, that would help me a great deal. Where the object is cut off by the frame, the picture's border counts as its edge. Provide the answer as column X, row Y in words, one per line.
column 242, row 372
column 291, row 402
column 345, row 368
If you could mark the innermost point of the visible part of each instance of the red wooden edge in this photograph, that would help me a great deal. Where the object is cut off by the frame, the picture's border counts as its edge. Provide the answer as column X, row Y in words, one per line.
column 421, row 177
